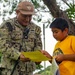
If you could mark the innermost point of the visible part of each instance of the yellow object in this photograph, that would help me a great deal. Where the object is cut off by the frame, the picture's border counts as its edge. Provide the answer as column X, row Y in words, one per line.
column 35, row 56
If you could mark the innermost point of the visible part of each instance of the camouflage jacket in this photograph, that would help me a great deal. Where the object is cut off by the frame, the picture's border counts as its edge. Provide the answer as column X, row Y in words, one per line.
column 14, row 40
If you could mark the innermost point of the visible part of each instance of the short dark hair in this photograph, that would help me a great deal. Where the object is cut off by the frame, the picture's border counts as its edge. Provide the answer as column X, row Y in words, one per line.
column 59, row 23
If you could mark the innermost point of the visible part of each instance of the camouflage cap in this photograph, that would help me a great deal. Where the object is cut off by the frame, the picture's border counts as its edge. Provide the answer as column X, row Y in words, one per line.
column 26, row 7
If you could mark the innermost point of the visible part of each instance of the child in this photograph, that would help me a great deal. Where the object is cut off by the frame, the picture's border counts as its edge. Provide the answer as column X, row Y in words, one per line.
column 64, row 51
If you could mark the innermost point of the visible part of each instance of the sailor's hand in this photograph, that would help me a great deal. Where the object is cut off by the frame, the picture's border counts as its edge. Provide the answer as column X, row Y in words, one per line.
column 23, row 58
column 37, row 63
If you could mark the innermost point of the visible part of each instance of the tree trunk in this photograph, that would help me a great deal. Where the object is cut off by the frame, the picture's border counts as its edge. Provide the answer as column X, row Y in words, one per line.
column 56, row 12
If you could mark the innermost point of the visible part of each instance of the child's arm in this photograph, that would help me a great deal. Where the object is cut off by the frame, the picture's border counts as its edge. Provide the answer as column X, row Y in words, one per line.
column 66, row 57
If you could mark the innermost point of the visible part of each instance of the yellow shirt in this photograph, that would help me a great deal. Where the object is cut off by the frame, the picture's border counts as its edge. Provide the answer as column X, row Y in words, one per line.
column 67, row 46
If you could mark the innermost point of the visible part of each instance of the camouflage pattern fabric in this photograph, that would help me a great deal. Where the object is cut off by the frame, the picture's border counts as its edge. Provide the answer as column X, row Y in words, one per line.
column 8, row 72
column 12, row 43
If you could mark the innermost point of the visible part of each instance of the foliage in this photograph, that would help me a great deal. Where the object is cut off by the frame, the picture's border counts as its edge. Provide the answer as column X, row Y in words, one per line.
column 38, row 67
column 40, row 8
column 12, row 4
column 46, row 71
column 71, row 11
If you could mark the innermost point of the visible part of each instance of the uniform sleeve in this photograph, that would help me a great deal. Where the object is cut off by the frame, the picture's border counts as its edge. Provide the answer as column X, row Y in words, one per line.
column 38, row 42
column 6, row 48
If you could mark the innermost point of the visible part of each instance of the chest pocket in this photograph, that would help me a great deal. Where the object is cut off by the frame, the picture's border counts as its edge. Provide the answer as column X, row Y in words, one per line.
column 16, row 35
column 30, row 41
column 32, row 34
column 14, row 31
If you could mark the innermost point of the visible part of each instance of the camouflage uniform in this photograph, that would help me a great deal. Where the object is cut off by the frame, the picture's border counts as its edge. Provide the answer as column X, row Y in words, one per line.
column 13, row 41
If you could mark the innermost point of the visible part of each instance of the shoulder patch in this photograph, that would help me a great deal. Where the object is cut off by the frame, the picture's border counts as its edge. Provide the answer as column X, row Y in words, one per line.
column 37, row 30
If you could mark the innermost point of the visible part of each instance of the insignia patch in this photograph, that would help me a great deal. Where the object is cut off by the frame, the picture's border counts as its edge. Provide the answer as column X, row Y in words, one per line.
column 28, row 7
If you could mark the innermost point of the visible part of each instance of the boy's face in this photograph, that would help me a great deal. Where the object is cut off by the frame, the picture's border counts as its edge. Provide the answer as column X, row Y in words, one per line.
column 58, row 34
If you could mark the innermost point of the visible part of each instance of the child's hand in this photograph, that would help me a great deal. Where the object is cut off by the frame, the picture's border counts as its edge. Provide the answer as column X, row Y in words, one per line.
column 46, row 54
column 59, row 58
